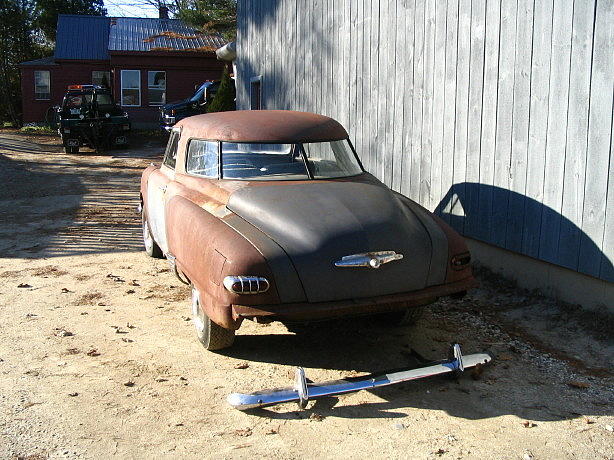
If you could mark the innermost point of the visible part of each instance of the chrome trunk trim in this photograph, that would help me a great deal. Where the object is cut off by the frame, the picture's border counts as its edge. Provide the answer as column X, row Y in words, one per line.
column 368, row 259
column 304, row 391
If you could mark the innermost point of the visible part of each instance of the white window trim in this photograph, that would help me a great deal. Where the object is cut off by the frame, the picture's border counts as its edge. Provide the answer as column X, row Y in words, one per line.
column 148, row 88
column 35, row 93
column 252, row 80
column 121, row 94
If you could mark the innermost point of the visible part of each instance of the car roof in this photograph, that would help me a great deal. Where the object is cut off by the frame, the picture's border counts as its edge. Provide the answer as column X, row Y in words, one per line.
column 265, row 126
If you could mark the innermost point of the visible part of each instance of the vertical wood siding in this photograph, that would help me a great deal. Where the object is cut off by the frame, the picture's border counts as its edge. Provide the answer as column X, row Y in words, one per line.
column 496, row 114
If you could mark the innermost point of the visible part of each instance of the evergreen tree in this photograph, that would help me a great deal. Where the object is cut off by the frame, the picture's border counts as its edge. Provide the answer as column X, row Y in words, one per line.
column 19, row 41
column 224, row 99
column 47, row 12
column 211, row 16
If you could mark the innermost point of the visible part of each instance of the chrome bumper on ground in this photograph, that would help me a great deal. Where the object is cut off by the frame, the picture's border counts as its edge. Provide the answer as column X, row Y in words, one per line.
column 303, row 391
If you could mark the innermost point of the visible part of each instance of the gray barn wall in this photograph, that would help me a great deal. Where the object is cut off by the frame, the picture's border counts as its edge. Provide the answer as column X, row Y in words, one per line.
column 495, row 114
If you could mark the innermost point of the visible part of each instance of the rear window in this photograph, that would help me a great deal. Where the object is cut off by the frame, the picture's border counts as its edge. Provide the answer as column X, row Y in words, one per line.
column 262, row 161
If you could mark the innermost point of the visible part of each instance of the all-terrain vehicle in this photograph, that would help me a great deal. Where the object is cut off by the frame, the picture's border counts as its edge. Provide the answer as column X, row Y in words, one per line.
column 89, row 116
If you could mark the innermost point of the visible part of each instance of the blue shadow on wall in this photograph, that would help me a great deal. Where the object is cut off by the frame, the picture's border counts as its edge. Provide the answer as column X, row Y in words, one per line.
column 521, row 224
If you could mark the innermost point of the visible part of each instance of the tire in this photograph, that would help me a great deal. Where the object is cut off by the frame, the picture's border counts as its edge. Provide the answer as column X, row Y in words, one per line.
column 151, row 247
column 211, row 335
column 407, row 317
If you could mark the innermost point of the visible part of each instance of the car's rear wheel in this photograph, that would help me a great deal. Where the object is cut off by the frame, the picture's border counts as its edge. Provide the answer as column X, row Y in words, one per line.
column 211, row 335
column 151, row 247
column 407, row 317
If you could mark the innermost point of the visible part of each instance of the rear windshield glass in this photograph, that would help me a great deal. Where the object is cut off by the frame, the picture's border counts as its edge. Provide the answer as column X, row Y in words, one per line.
column 298, row 161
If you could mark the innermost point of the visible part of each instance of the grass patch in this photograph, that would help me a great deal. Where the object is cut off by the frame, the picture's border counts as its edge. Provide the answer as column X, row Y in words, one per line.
column 39, row 129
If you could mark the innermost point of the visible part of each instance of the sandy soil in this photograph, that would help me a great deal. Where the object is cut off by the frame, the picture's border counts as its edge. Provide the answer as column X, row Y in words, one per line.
column 98, row 357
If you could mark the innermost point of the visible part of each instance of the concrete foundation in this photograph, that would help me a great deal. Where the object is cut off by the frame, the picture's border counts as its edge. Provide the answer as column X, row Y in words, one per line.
column 551, row 280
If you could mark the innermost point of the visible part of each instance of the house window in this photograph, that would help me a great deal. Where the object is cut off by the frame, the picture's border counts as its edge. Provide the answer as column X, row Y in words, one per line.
column 255, row 93
column 156, row 87
column 101, row 78
column 131, row 88
column 42, row 85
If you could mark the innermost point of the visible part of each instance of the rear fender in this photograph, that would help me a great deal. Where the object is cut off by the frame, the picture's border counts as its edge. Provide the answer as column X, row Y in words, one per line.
column 207, row 250
column 144, row 179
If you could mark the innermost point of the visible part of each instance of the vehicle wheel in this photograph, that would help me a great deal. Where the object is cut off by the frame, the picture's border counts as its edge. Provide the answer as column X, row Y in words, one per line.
column 151, row 247
column 407, row 317
column 211, row 335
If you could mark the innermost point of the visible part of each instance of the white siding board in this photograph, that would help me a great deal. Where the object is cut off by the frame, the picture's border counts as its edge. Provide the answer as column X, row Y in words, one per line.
column 474, row 123
column 374, row 89
column 503, row 137
column 600, row 122
column 557, row 128
column 397, row 123
column 439, row 81
column 416, row 138
column 489, row 118
column 462, row 112
column 408, row 97
column 607, row 248
column 538, row 125
column 520, row 125
column 577, row 134
column 426, row 151
column 447, row 173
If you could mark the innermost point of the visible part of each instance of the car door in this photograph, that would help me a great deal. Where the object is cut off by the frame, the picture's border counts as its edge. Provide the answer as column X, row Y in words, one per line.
column 156, row 191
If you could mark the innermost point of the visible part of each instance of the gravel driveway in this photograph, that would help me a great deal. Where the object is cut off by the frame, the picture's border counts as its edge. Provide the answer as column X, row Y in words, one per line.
column 98, row 357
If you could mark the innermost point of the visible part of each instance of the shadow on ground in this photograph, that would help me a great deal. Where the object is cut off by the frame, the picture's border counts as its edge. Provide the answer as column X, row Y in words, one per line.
column 53, row 204
column 511, row 385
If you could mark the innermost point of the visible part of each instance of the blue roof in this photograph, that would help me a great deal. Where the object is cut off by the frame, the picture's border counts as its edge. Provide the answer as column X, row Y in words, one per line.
column 152, row 34
column 82, row 37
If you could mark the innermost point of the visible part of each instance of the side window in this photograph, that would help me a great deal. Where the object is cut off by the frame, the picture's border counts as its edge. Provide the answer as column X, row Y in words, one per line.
column 170, row 156
column 131, row 88
column 101, row 78
column 202, row 158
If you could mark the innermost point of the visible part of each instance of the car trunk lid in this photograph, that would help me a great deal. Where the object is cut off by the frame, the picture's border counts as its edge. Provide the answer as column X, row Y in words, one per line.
column 318, row 223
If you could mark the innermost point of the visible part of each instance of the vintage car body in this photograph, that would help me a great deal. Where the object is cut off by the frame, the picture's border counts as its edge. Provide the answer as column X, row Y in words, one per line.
column 310, row 246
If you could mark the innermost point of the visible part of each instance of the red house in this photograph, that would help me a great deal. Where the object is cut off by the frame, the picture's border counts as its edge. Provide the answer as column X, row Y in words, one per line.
column 145, row 61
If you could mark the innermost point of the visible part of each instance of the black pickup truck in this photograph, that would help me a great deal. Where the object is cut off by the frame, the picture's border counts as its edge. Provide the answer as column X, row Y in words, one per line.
column 172, row 112
column 89, row 116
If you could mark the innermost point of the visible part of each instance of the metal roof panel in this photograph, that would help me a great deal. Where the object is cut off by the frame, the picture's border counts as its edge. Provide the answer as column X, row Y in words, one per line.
column 82, row 37
column 151, row 34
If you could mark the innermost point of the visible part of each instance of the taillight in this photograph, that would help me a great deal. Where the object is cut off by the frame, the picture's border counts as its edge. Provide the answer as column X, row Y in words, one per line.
column 246, row 284
column 460, row 261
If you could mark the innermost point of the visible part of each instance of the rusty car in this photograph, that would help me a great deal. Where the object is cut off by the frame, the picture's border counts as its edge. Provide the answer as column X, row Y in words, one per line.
column 270, row 216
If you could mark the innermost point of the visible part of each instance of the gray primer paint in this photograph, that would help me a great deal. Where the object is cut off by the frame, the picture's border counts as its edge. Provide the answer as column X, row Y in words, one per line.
column 318, row 223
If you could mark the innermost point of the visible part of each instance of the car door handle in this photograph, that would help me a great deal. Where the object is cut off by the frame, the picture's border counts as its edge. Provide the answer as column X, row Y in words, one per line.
column 162, row 188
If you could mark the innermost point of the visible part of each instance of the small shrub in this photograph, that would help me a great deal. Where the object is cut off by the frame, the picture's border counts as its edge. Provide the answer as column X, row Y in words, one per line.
column 224, row 99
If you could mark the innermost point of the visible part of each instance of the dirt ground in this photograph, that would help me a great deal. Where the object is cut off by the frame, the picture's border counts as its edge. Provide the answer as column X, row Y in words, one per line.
column 98, row 356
